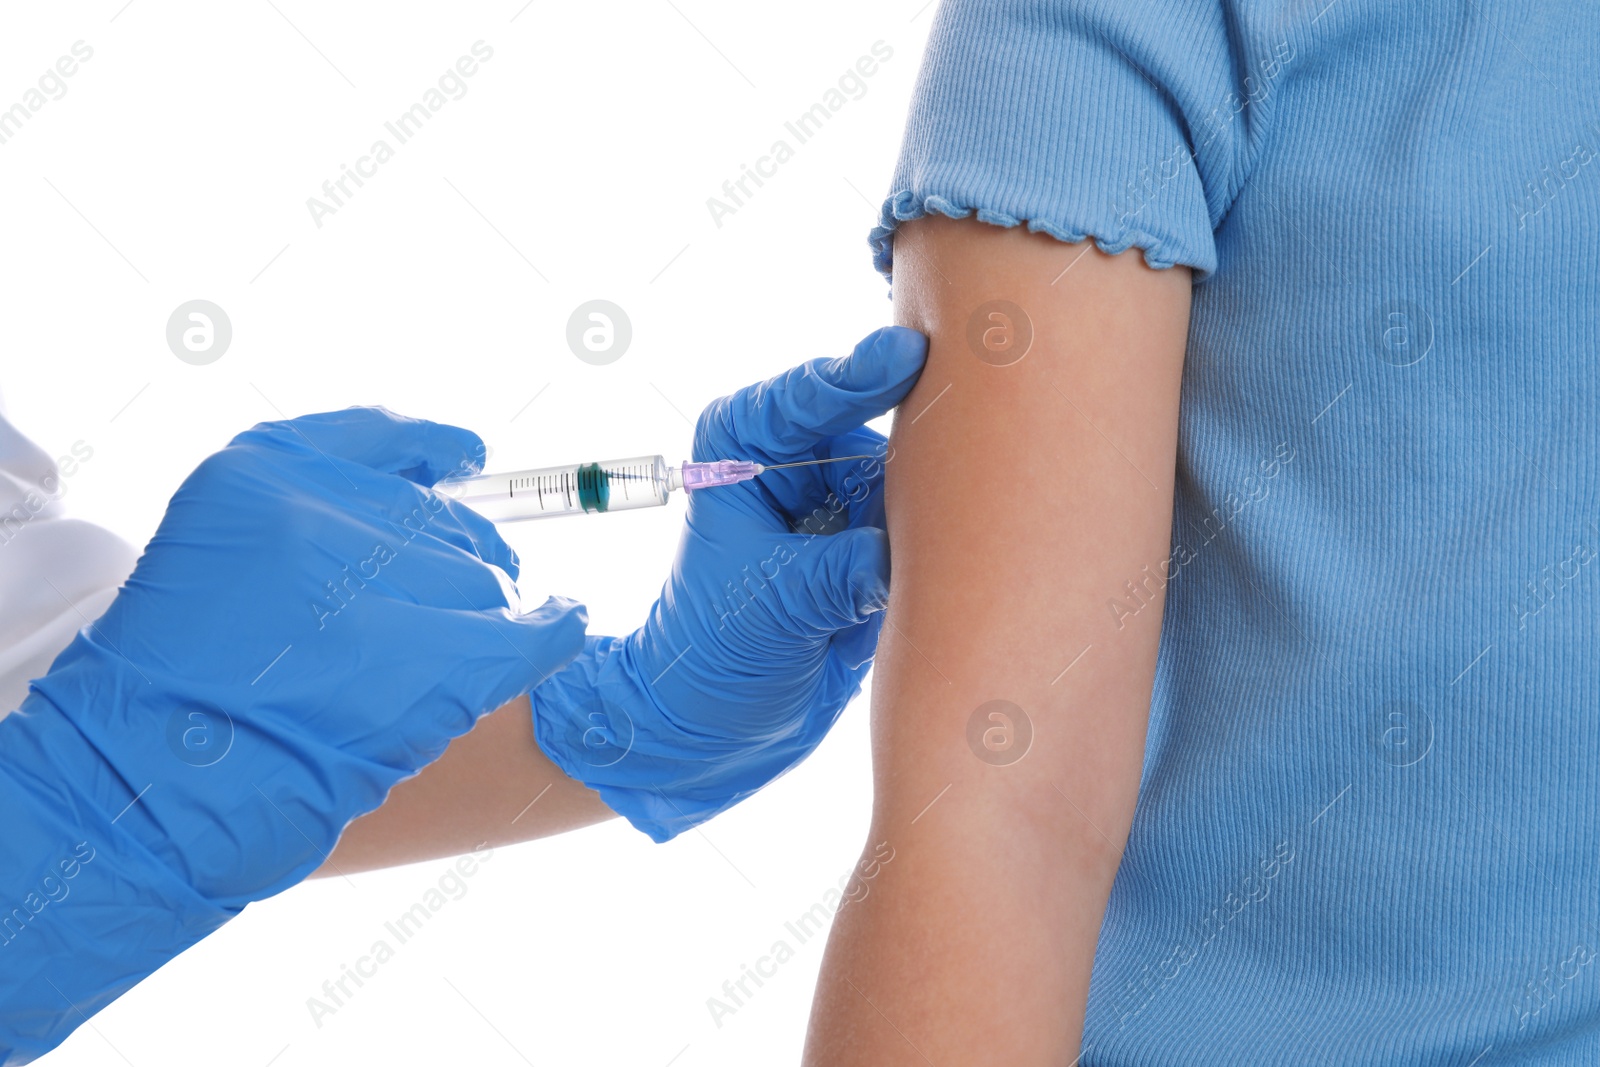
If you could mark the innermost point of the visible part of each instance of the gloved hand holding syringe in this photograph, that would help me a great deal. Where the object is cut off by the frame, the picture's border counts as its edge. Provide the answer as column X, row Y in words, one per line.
column 599, row 488
column 325, row 622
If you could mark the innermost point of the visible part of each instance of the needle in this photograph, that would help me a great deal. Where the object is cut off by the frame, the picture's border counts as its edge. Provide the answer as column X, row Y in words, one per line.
column 811, row 462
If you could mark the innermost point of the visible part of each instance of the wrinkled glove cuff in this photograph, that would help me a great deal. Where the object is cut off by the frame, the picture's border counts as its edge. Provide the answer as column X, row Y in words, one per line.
column 243, row 826
column 75, row 885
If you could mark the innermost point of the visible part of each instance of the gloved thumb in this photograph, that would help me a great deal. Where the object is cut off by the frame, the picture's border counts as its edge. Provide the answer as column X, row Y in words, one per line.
column 790, row 414
column 844, row 581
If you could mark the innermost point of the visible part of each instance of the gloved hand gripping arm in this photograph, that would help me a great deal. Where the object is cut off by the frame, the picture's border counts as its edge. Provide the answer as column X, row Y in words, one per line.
column 770, row 618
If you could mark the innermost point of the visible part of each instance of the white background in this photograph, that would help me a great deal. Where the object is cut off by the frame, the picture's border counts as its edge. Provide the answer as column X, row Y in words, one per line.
column 177, row 166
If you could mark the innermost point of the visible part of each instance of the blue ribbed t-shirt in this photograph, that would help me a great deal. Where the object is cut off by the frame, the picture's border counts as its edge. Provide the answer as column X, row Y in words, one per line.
column 1368, row 829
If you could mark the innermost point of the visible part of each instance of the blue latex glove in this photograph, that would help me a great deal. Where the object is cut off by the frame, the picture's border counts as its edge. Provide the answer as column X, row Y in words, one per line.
column 309, row 626
column 770, row 618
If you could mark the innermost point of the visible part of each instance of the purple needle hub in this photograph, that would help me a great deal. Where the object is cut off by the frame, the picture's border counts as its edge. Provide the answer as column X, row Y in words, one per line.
column 718, row 472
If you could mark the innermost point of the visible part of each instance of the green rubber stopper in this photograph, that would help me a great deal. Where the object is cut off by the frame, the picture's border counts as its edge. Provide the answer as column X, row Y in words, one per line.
column 594, row 488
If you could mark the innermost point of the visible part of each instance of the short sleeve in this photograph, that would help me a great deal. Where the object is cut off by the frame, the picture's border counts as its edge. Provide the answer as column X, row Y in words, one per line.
column 1122, row 120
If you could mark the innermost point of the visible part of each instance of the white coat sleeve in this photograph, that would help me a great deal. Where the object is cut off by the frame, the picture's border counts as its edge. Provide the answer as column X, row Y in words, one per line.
column 57, row 574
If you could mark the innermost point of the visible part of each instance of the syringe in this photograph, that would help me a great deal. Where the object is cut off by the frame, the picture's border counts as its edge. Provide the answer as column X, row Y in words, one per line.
column 599, row 488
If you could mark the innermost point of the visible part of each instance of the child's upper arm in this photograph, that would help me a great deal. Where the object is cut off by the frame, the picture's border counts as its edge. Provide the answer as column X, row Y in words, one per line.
column 1031, row 477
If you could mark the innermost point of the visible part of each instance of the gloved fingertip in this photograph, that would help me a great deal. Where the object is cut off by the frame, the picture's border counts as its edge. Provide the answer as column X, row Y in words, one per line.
column 418, row 450
column 425, row 451
column 901, row 342
column 899, row 351
column 872, row 591
column 550, row 636
column 446, row 452
column 865, row 554
column 476, row 534
column 857, row 646
column 565, row 609
column 474, row 453
column 885, row 364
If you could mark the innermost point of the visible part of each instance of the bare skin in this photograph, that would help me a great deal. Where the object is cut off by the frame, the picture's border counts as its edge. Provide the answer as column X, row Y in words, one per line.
column 974, row 944
column 493, row 786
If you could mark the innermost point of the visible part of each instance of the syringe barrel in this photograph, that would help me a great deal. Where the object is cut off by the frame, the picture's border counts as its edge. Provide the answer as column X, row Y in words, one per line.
column 572, row 489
